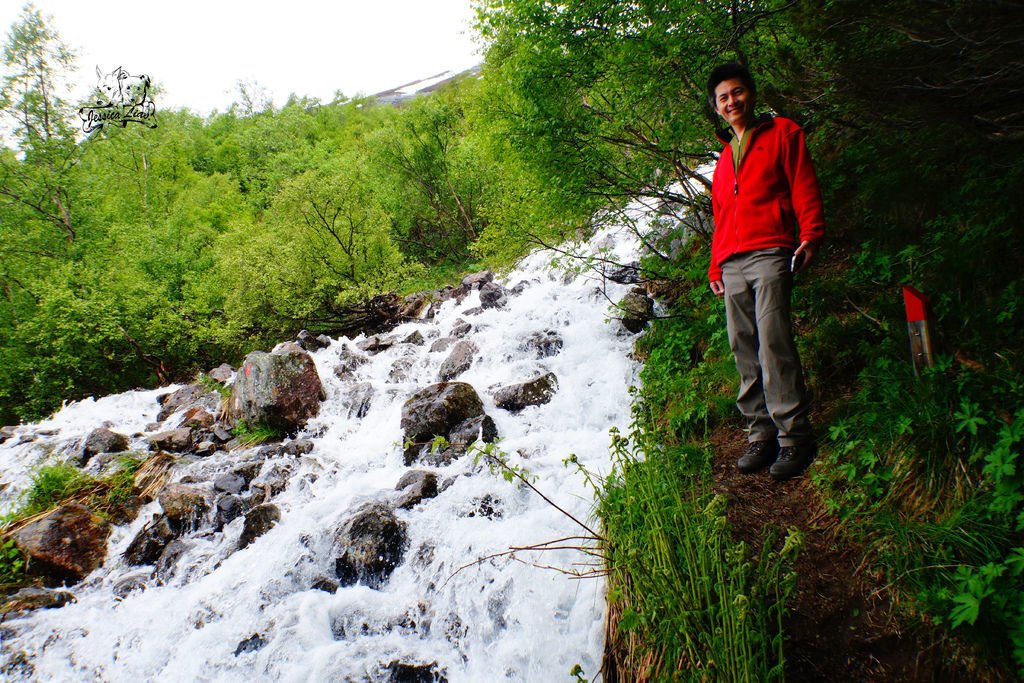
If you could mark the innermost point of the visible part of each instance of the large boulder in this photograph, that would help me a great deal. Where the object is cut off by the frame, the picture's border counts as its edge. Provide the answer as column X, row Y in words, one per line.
column 281, row 389
column 636, row 308
column 65, row 544
column 371, row 542
column 103, row 440
column 435, row 411
column 458, row 361
column 515, row 397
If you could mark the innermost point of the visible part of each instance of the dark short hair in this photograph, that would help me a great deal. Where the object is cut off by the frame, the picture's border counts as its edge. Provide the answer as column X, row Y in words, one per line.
column 724, row 72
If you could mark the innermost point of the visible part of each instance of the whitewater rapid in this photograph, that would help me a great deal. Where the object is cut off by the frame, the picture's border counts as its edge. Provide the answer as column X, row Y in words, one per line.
column 500, row 619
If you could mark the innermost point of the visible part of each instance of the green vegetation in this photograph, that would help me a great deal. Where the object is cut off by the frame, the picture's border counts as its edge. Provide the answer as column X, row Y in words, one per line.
column 12, row 564
column 697, row 600
column 251, row 435
column 138, row 255
column 54, row 485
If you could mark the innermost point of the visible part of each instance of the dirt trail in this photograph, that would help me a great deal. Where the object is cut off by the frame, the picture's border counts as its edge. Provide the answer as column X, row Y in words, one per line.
column 840, row 625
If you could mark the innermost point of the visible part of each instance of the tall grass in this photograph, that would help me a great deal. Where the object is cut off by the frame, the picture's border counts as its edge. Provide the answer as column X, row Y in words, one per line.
column 688, row 602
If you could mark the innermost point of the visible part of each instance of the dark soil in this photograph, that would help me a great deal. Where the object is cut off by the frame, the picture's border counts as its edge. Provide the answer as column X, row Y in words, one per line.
column 841, row 625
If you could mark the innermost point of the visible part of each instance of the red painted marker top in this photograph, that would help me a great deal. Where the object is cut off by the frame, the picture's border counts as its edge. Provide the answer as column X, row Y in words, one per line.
column 916, row 303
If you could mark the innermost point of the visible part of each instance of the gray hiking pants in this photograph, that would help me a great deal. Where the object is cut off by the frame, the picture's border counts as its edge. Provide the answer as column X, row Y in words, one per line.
column 772, row 395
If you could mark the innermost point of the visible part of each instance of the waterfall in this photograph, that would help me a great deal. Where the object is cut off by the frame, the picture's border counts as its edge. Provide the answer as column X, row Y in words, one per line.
column 225, row 614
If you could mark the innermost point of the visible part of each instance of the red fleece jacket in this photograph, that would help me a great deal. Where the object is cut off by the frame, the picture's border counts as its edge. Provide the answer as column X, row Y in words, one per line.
column 776, row 191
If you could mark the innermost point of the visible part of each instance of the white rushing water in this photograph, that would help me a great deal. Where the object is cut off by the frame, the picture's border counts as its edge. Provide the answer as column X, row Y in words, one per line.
column 500, row 619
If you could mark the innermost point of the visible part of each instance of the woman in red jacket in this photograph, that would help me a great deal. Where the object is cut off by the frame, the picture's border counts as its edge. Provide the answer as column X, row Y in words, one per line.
column 764, row 194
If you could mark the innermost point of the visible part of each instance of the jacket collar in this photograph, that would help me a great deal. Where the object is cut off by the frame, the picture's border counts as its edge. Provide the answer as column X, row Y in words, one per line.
column 763, row 120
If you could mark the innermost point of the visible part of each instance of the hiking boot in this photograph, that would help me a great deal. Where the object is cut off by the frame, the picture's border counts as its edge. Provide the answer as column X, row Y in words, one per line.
column 792, row 461
column 759, row 455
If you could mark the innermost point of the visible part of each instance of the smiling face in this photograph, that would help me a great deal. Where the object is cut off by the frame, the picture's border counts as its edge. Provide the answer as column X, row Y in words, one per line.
column 734, row 102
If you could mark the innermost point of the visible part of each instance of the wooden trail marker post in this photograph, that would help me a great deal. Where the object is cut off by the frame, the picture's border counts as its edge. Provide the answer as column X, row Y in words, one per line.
column 920, row 328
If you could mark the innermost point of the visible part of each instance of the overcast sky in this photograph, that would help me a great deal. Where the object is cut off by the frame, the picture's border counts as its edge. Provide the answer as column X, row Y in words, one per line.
column 197, row 50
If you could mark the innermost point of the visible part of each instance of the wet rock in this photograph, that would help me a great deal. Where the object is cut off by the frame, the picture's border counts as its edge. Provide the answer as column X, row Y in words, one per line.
column 221, row 433
column 227, row 509
column 434, row 411
column 348, row 361
column 103, row 440
column 166, row 564
column 477, row 280
column 258, row 521
column 480, row 427
column 400, row 370
column 33, row 598
column 293, row 448
column 281, row 389
column 443, row 344
column 249, row 470
column 312, row 343
column 627, row 274
column 185, row 506
column 190, row 394
column 461, row 328
column 229, row 482
column 7, row 433
column 543, row 344
column 458, row 361
column 401, row 672
column 325, row 584
column 416, row 339
column 460, row 438
column 520, row 287
column 358, row 398
column 222, row 373
column 492, row 295
column 197, row 417
column 269, row 484
column 377, row 343
column 150, row 542
column 515, row 397
column 485, row 506
column 636, row 308
column 173, row 440
column 416, row 305
column 64, row 544
column 205, row 448
column 128, row 585
column 415, row 486
column 372, row 542
column 251, row 644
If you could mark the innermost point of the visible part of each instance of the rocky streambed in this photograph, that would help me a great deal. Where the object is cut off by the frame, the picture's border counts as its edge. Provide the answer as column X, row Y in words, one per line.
column 368, row 541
